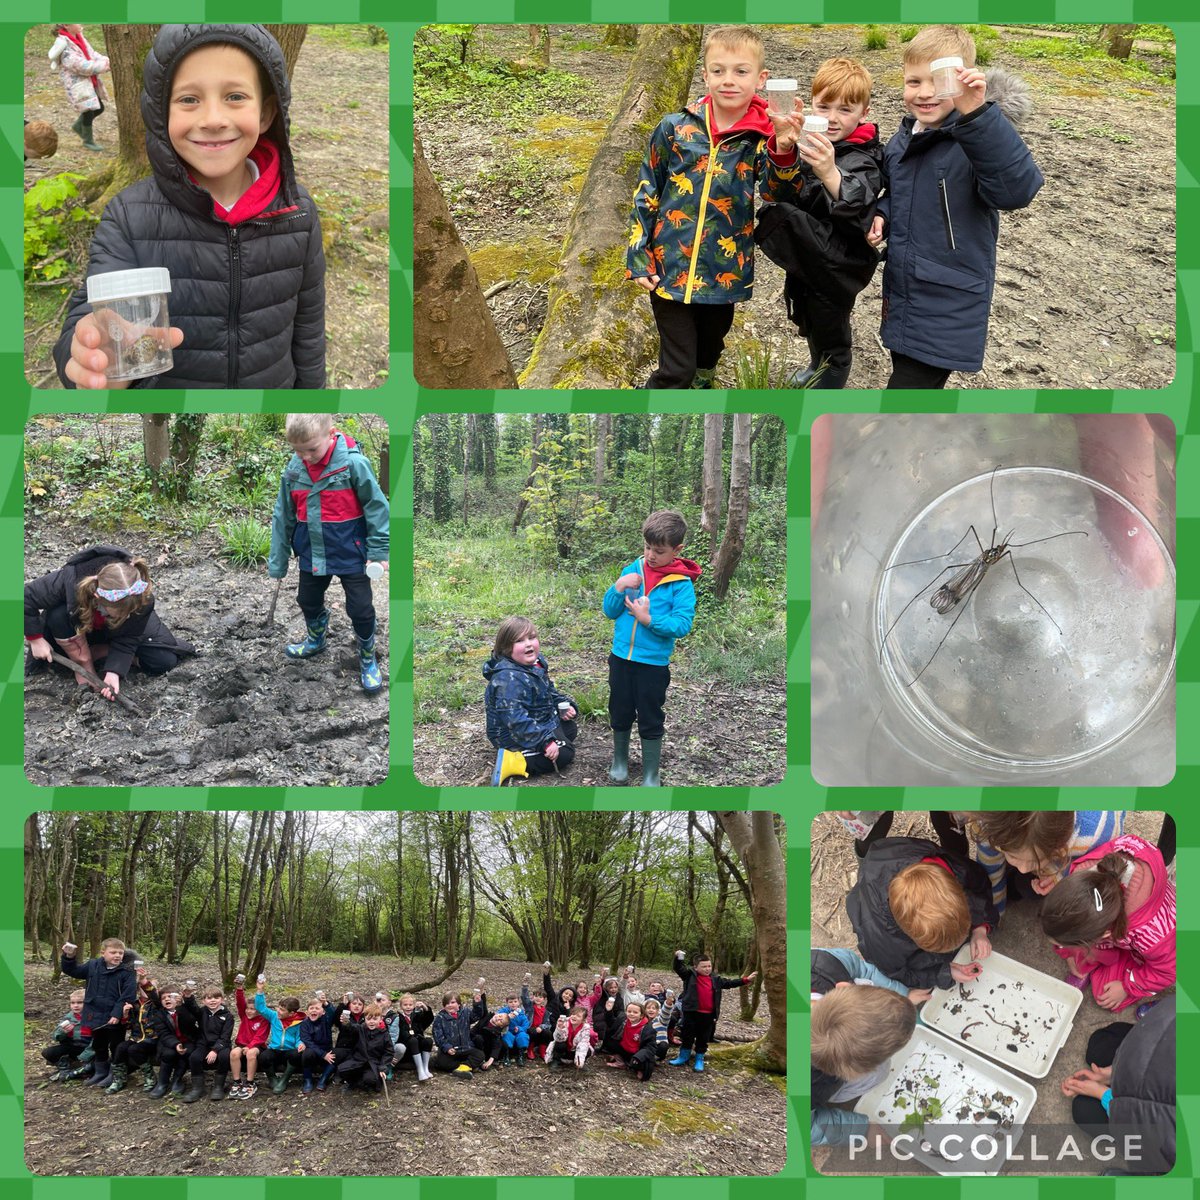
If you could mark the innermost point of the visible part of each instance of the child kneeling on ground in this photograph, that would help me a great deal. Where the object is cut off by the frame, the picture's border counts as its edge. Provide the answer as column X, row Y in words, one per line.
column 99, row 605
column 332, row 514
column 525, row 711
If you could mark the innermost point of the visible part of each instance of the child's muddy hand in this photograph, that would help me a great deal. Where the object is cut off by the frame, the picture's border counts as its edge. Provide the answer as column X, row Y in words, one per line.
column 647, row 282
column 40, row 648
column 1111, row 995
column 551, row 751
column 112, row 685
column 964, row 972
column 981, row 947
column 875, row 233
column 919, row 995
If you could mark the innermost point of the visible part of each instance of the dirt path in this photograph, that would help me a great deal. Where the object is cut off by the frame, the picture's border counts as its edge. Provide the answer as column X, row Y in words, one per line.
column 238, row 713
column 339, row 135
column 1019, row 936
column 529, row 1121
column 717, row 735
column 1085, row 293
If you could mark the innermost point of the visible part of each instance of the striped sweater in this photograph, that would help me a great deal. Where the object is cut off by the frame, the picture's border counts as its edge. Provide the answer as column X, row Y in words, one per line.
column 1092, row 829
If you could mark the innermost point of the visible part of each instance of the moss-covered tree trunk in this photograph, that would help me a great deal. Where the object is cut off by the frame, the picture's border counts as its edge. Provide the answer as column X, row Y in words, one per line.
column 1117, row 40
column 756, row 841
column 734, row 541
column 127, row 47
column 598, row 326
column 620, row 35
column 290, row 39
column 455, row 343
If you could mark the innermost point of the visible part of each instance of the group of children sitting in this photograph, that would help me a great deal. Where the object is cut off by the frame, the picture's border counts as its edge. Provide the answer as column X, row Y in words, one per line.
column 832, row 193
column 1107, row 905
column 122, row 1020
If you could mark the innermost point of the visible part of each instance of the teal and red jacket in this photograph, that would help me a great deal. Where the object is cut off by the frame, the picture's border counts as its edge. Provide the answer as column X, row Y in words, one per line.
column 672, row 610
column 693, row 208
column 333, row 515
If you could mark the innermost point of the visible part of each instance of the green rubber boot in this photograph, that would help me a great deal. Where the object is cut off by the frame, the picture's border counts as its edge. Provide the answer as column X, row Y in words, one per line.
column 619, row 771
column 651, row 755
column 77, row 126
column 148, row 1077
column 314, row 641
column 705, row 379
column 120, row 1073
column 280, row 1085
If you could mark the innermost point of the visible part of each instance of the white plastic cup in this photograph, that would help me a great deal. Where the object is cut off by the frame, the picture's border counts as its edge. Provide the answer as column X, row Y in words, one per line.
column 262, row 979
column 239, row 979
column 191, row 983
column 781, row 96
column 815, row 124
column 374, row 570
column 131, row 313
column 945, row 77
column 563, row 705
column 70, row 949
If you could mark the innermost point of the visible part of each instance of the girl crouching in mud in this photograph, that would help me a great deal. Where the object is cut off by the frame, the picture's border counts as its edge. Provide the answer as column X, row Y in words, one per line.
column 100, row 606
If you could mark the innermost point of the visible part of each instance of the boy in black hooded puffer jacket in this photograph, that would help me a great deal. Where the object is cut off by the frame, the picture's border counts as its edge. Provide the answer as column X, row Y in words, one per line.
column 223, row 212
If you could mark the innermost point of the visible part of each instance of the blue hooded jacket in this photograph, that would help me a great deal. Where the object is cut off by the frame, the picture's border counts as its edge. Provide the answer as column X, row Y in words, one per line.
column 521, row 703
column 672, row 610
column 944, row 187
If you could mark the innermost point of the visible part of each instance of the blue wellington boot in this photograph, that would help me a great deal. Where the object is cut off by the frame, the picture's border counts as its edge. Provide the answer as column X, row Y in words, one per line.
column 681, row 1059
column 698, row 1065
column 369, row 672
column 314, row 641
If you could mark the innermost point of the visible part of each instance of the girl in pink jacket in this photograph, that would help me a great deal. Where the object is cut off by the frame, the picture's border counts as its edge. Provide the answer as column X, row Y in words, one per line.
column 1113, row 920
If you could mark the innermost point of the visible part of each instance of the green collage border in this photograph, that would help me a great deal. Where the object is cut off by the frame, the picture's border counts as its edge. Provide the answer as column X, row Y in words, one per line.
column 401, row 402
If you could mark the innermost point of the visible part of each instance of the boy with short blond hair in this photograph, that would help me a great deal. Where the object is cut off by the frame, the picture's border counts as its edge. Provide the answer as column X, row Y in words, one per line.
column 223, row 212
column 825, row 187
column 110, row 985
column 332, row 514
column 69, row 1042
column 690, row 243
column 652, row 603
column 954, row 164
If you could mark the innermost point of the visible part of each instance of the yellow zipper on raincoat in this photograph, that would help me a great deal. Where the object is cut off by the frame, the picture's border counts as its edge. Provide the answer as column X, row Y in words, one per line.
column 708, row 174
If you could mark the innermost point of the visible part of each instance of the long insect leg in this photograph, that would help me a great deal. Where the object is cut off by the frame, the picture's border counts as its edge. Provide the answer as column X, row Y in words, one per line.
column 1068, row 533
column 1012, row 562
column 992, row 493
column 918, row 595
column 913, row 562
column 962, row 609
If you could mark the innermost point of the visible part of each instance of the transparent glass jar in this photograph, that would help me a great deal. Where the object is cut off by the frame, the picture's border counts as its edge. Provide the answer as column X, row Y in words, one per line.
column 132, row 315
column 1058, row 668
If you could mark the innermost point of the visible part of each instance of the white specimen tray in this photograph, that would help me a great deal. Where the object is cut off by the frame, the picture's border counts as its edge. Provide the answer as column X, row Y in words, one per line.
column 964, row 1082
column 1010, row 1012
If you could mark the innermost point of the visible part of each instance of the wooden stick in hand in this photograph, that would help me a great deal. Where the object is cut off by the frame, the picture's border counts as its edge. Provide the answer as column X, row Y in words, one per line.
column 95, row 680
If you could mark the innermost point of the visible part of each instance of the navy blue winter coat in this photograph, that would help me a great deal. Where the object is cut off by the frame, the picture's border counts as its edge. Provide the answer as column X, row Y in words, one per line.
column 521, row 704
column 944, row 187
column 107, row 991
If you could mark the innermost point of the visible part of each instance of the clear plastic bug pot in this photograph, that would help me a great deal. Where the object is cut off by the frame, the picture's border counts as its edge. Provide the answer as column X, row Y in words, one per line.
column 781, row 96
column 134, row 323
column 945, row 77
column 815, row 124
column 993, row 600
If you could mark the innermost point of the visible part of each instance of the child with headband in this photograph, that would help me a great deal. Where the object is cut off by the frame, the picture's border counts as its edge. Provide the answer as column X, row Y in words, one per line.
column 1113, row 920
column 99, row 606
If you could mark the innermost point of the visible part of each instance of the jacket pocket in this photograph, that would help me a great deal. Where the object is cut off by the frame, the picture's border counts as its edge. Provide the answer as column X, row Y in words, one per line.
column 944, row 199
column 929, row 271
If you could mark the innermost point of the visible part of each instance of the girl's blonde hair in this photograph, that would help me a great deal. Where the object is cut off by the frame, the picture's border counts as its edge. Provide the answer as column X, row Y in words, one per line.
column 1088, row 904
column 930, row 905
column 855, row 1029
column 78, row 994
column 511, row 631
column 303, row 427
column 114, row 575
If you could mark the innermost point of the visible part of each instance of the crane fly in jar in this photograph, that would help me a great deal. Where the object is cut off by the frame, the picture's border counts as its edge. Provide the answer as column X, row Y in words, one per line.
column 960, row 587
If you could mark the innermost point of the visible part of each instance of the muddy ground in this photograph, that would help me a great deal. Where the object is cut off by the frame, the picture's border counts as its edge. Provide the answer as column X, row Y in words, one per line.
column 716, row 736
column 1085, row 292
column 1019, row 936
column 239, row 712
column 531, row 1121
column 339, row 137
